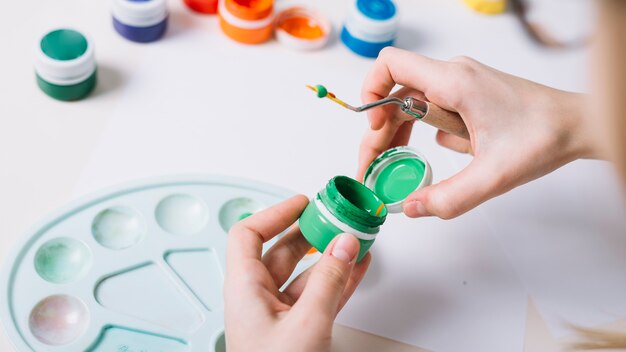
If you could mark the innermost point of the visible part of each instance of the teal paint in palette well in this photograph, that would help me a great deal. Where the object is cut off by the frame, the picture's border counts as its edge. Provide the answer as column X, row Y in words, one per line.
column 136, row 268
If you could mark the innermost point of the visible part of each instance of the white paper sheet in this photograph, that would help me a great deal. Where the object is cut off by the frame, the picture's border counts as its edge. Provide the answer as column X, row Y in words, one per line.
column 566, row 235
column 201, row 103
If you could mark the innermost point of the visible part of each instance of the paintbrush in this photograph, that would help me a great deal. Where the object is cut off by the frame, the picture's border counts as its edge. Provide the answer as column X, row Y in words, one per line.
column 424, row 111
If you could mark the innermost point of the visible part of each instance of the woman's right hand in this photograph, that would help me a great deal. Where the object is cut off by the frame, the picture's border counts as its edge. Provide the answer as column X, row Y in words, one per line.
column 519, row 130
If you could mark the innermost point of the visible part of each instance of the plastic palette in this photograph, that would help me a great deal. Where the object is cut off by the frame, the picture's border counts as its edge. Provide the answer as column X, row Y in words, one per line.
column 138, row 267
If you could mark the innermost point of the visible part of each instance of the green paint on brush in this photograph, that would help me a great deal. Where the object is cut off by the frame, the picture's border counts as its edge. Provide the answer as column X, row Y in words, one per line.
column 64, row 44
column 321, row 91
column 396, row 181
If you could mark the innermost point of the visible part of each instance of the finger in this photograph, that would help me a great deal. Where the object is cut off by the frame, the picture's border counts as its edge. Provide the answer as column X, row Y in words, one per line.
column 475, row 184
column 393, row 133
column 246, row 238
column 325, row 286
column 295, row 288
column 282, row 258
column 395, row 66
column 453, row 142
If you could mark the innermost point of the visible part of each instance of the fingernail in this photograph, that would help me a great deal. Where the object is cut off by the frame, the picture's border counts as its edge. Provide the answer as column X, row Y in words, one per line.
column 416, row 209
column 346, row 248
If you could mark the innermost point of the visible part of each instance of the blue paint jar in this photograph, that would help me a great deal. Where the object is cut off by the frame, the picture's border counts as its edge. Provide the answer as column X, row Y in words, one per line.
column 140, row 21
column 371, row 25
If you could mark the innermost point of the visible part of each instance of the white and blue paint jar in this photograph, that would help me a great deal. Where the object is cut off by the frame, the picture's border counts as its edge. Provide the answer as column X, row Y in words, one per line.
column 371, row 25
column 140, row 21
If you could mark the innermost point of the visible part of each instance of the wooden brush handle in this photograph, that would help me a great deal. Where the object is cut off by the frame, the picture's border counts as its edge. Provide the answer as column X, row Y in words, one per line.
column 446, row 121
column 435, row 116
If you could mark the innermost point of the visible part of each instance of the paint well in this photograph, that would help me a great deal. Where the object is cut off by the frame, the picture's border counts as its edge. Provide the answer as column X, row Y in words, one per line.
column 58, row 320
column 396, row 181
column 118, row 228
column 121, row 339
column 236, row 210
column 220, row 343
column 206, row 284
column 63, row 260
column 182, row 214
column 64, row 44
column 146, row 293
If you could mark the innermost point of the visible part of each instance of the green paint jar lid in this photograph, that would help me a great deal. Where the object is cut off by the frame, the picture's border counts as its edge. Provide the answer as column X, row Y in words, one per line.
column 64, row 57
column 395, row 174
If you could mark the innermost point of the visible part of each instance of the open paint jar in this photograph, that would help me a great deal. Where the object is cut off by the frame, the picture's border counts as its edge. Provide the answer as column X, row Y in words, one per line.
column 302, row 28
column 65, row 65
column 140, row 21
column 247, row 21
column 371, row 25
column 346, row 205
column 202, row 6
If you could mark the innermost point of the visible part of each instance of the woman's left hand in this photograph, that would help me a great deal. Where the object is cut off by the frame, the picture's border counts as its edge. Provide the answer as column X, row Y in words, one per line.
column 259, row 317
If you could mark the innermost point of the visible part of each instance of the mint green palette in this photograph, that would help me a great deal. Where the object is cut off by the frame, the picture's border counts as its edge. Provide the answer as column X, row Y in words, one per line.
column 139, row 267
column 65, row 66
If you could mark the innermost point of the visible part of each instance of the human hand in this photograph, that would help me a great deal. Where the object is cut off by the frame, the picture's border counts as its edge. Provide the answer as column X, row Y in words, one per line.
column 258, row 316
column 519, row 130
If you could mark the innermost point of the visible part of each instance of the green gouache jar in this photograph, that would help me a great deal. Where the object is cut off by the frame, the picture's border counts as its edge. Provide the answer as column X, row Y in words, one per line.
column 65, row 65
column 346, row 205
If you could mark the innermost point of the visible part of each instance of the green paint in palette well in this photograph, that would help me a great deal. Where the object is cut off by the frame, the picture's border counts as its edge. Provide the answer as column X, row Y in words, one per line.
column 244, row 215
column 64, row 44
column 399, row 179
column 62, row 260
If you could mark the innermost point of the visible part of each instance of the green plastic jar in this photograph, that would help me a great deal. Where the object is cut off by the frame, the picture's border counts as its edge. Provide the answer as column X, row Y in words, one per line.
column 346, row 205
column 65, row 65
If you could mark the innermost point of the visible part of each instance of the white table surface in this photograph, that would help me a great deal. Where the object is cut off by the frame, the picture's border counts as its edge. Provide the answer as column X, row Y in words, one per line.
column 44, row 145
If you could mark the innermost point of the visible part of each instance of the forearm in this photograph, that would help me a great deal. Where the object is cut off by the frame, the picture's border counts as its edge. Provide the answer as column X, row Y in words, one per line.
column 609, row 79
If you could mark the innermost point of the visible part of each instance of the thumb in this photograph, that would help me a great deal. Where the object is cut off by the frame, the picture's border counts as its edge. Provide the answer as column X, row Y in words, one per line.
column 475, row 184
column 329, row 277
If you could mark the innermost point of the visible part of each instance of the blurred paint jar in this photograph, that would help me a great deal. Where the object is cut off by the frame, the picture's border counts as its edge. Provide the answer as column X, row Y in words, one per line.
column 141, row 21
column 371, row 25
column 488, row 7
column 346, row 205
column 65, row 65
column 301, row 28
column 247, row 21
column 202, row 6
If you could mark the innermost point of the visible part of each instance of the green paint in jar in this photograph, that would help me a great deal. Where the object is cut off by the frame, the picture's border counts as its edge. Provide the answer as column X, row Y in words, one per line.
column 346, row 205
column 65, row 66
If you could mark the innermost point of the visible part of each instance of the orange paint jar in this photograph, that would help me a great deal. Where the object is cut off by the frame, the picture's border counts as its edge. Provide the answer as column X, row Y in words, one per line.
column 247, row 21
column 202, row 6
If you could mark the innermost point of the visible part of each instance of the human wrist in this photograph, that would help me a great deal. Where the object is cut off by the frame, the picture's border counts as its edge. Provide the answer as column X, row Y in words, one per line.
column 576, row 126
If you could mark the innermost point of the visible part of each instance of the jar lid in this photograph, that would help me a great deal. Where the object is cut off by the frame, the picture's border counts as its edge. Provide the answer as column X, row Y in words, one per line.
column 139, row 13
column 377, row 9
column 395, row 174
column 64, row 56
column 365, row 22
column 302, row 28
column 251, row 10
